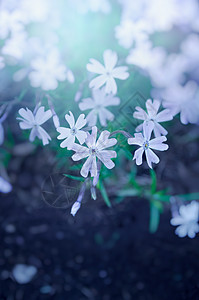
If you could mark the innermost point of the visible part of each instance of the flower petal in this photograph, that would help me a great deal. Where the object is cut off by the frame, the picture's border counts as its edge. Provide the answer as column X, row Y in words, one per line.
column 138, row 156
column 95, row 67
column 33, row 134
column 159, row 130
column 140, row 113
column 27, row 115
column 110, row 100
column 111, row 86
column 68, row 142
column 181, row 231
column 81, row 152
column 81, row 121
column 89, row 166
column 147, row 129
column 139, row 128
column 25, row 125
column 81, row 136
column 105, row 156
column 87, row 103
column 105, row 114
column 120, row 73
column 5, row 186
column 164, row 116
column 110, row 59
column 76, row 206
column 137, row 140
column 41, row 116
column 70, row 119
column 44, row 136
column 151, row 157
column 103, row 141
column 91, row 138
column 92, row 118
column 152, row 107
column 64, row 132
column 157, row 143
column 98, row 82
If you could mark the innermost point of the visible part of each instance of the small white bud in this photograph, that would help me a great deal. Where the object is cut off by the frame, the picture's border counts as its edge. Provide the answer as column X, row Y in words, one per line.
column 76, row 206
column 93, row 193
column 56, row 121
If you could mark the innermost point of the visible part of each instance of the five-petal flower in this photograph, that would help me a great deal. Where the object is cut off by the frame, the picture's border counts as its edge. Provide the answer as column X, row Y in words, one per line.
column 183, row 100
column 69, row 134
column 153, row 116
column 47, row 71
column 187, row 220
column 146, row 144
column 33, row 121
column 98, row 105
column 95, row 149
column 108, row 73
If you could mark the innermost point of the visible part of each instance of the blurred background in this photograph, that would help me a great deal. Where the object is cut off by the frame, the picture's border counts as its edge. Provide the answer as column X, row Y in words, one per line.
column 103, row 253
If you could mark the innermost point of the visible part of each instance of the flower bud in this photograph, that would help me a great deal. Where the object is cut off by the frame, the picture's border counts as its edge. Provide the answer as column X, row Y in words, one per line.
column 76, row 206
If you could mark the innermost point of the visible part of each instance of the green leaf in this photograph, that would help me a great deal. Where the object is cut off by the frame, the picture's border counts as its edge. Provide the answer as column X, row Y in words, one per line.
column 153, row 181
column 76, row 167
column 154, row 218
column 185, row 197
column 189, row 197
column 22, row 94
column 119, row 200
column 74, row 177
column 104, row 194
column 128, row 193
column 160, row 196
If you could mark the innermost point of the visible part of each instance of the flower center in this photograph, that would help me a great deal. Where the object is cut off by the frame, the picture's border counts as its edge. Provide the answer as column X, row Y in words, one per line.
column 108, row 73
column 98, row 108
column 93, row 151
column 73, row 131
column 146, row 145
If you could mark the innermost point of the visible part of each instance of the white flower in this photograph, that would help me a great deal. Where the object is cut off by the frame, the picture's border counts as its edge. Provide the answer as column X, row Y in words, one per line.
column 162, row 14
column 69, row 134
column 143, row 140
column 11, row 22
column 98, row 104
column 187, row 220
column 190, row 49
column 153, row 116
column 15, row 46
column 183, row 100
column 34, row 121
column 170, row 71
column 47, row 71
column 95, row 149
column 37, row 11
column 76, row 206
column 146, row 57
column 107, row 73
column 5, row 186
column 128, row 32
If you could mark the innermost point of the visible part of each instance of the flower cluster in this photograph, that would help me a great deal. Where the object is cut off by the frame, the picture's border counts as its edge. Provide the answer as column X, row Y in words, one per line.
column 170, row 72
column 32, row 45
column 78, row 138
